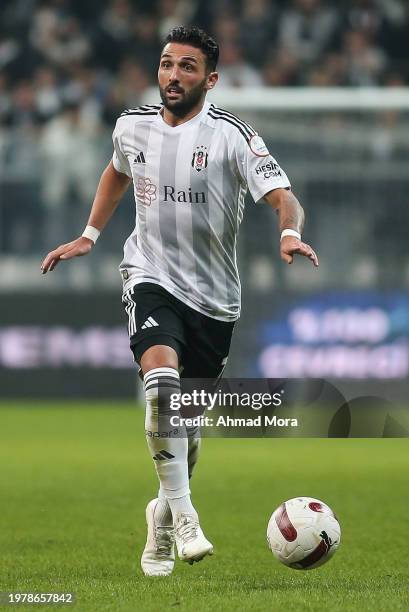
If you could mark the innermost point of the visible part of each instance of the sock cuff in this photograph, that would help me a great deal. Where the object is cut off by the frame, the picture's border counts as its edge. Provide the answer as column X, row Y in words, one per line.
column 157, row 375
column 155, row 372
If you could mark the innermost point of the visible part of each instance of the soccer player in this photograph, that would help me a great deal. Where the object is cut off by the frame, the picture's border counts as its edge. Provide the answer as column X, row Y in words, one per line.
column 191, row 164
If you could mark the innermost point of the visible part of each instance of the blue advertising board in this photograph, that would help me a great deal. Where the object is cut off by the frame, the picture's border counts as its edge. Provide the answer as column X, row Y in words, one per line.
column 358, row 335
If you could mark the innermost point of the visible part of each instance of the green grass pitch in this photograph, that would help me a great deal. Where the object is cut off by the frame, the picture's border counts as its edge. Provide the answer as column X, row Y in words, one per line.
column 75, row 479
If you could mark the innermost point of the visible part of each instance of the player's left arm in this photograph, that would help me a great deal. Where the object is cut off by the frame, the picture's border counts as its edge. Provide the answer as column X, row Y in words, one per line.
column 291, row 215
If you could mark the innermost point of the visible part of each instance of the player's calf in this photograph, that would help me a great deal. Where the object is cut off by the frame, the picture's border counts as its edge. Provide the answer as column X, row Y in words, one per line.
column 167, row 442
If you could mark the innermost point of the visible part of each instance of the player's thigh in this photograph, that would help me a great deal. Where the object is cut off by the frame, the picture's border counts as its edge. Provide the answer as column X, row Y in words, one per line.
column 155, row 327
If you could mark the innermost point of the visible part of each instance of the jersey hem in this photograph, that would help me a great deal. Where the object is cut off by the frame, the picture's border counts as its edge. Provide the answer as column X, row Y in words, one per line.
column 182, row 298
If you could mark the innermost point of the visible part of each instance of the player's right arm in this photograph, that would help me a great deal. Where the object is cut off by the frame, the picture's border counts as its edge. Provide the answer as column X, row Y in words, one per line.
column 111, row 188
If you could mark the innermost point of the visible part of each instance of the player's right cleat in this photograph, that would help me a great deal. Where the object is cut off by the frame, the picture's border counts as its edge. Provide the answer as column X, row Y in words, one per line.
column 158, row 558
column 190, row 540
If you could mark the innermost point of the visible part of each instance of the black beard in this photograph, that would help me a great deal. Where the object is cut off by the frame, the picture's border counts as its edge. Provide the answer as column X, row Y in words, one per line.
column 187, row 101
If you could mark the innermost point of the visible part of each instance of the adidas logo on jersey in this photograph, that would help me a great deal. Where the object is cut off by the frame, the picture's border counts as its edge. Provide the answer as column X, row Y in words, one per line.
column 140, row 158
column 150, row 322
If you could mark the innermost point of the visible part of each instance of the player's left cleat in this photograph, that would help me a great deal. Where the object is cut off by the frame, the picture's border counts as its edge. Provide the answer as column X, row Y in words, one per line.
column 190, row 540
column 158, row 558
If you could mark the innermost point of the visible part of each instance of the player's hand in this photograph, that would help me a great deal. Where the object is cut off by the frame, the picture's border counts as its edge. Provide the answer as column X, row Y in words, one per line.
column 76, row 248
column 291, row 246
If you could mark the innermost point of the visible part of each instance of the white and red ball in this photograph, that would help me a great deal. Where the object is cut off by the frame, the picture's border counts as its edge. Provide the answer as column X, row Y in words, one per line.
column 303, row 533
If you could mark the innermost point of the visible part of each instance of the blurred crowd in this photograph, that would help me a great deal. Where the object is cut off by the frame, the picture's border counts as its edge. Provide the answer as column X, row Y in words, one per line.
column 68, row 68
column 102, row 54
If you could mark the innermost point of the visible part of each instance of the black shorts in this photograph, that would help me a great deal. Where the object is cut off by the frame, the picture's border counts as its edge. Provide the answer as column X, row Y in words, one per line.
column 155, row 316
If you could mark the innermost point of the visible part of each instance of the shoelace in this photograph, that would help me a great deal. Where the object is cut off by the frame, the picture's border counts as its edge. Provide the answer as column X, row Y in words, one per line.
column 187, row 528
column 164, row 538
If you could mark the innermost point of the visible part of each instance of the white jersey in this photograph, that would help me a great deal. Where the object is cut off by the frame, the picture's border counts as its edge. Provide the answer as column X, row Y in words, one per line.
column 189, row 184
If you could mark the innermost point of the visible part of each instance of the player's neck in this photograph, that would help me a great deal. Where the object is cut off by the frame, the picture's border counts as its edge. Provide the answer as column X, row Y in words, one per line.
column 174, row 120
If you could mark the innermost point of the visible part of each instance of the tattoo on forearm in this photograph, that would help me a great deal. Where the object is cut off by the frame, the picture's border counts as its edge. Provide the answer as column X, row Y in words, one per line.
column 291, row 213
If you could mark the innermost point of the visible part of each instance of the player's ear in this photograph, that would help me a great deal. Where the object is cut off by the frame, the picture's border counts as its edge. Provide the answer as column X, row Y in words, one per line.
column 212, row 79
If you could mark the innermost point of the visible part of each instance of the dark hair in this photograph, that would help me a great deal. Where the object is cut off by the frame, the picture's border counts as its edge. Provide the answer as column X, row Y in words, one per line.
column 195, row 37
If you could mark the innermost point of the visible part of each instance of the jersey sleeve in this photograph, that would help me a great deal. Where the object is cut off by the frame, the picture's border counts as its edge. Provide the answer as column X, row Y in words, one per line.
column 119, row 159
column 258, row 168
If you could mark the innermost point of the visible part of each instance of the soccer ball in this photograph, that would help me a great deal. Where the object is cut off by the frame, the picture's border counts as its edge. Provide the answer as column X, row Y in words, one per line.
column 303, row 533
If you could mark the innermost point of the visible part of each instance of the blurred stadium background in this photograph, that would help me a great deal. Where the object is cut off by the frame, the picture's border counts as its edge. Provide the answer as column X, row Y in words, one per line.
column 325, row 83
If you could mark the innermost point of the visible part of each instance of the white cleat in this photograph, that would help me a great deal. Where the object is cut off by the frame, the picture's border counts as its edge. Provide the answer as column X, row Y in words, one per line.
column 158, row 558
column 190, row 540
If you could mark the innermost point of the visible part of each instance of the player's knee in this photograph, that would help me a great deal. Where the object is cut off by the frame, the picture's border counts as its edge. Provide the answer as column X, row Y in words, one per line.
column 159, row 356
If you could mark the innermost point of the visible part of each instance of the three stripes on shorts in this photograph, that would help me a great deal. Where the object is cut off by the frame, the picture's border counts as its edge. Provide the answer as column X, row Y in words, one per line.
column 130, row 309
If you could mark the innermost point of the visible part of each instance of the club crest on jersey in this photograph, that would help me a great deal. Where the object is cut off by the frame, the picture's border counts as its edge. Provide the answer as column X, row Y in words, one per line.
column 199, row 159
column 145, row 191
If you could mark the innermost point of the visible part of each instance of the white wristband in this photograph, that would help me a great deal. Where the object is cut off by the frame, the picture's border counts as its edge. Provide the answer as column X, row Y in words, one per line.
column 290, row 232
column 92, row 233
